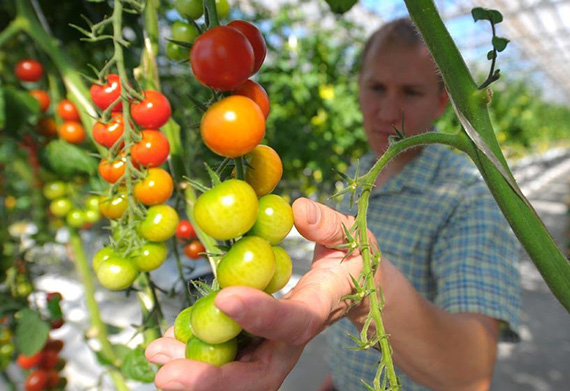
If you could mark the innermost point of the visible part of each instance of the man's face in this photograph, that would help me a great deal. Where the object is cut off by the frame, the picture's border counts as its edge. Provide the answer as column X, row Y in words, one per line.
column 396, row 82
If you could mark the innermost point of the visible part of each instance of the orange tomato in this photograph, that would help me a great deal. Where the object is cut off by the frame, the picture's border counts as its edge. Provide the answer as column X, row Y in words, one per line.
column 43, row 99
column 112, row 171
column 256, row 93
column 156, row 188
column 46, row 126
column 67, row 111
column 264, row 170
column 72, row 132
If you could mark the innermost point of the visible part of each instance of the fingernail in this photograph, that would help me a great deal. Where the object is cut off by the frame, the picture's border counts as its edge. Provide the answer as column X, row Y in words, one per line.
column 313, row 213
column 232, row 306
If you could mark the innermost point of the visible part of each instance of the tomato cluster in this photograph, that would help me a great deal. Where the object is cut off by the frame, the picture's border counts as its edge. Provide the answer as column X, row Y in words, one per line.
column 68, row 203
column 44, row 368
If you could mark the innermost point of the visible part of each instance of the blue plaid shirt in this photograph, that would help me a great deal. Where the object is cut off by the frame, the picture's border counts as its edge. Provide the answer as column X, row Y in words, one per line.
column 437, row 222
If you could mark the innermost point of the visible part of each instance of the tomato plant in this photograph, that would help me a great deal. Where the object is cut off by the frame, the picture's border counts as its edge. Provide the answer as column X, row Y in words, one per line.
column 105, row 95
column 153, row 111
column 274, row 220
column 194, row 249
column 256, row 93
column 43, row 99
column 210, row 324
column 215, row 354
column 256, row 40
column 159, row 224
column 156, row 188
column 29, row 70
column 152, row 150
column 67, row 111
column 72, row 132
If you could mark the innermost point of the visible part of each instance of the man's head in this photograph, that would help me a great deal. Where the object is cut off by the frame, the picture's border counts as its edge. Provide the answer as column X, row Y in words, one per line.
column 398, row 80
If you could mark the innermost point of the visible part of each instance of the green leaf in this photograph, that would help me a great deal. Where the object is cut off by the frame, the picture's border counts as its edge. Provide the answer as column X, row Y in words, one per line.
column 341, row 6
column 22, row 107
column 500, row 43
column 491, row 55
column 54, row 308
column 495, row 16
column 480, row 13
column 137, row 367
column 67, row 159
column 31, row 332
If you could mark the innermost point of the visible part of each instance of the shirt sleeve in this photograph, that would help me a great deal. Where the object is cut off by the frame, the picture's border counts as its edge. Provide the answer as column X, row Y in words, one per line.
column 475, row 262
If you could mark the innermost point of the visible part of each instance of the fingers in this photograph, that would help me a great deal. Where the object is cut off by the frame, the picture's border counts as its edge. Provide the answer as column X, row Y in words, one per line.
column 164, row 350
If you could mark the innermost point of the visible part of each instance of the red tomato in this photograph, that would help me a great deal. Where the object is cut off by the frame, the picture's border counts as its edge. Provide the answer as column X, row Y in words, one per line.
column 47, row 127
column 256, row 40
column 233, row 126
column 194, row 249
column 108, row 134
column 112, row 171
column 156, row 188
column 57, row 323
column 67, row 111
column 53, row 379
column 53, row 344
column 153, row 111
column 264, row 169
column 27, row 362
column 29, row 70
column 152, row 150
column 49, row 359
column 36, row 381
column 185, row 230
column 103, row 96
column 222, row 58
column 43, row 99
column 72, row 132
column 256, row 93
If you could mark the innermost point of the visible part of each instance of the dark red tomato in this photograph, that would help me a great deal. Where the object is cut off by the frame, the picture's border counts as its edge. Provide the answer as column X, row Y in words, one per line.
column 108, row 134
column 222, row 58
column 153, row 111
column 194, row 249
column 103, row 96
column 72, row 132
column 53, row 378
column 27, row 362
column 46, row 126
column 256, row 93
column 29, row 70
column 152, row 150
column 112, row 171
column 67, row 111
column 36, row 381
column 185, row 230
column 256, row 40
column 43, row 99
column 57, row 323
column 53, row 344
column 49, row 359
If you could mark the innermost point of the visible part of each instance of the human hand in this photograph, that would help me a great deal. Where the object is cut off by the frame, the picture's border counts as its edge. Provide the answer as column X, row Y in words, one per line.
column 286, row 325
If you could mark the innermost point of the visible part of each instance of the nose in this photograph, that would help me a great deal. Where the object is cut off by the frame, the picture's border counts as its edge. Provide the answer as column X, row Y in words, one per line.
column 390, row 110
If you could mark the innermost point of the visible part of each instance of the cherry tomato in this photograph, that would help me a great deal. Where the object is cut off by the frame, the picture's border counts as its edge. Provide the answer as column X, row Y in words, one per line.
column 56, row 324
column 233, row 126
column 67, row 111
column 53, row 378
column 91, row 216
column 101, row 256
column 92, row 202
column 108, row 134
column 153, row 111
column 29, row 70
column 75, row 218
column 47, row 127
column 159, row 224
column 274, row 219
column 222, row 8
column 72, row 132
column 184, row 32
column 114, row 207
column 249, row 262
column 28, row 362
column 54, row 189
column 210, row 324
column 43, row 99
column 214, row 354
column 222, row 58
column 256, row 93
column 49, row 359
column 264, row 169
column 103, row 96
column 112, row 171
column 156, row 188
column 185, row 230
column 177, row 52
column 152, row 150
column 117, row 273
column 150, row 256
column 55, row 345
column 194, row 249
column 283, row 270
column 60, row 207
column 226, row 211
column 182, row 327
column 36, row 381
column 256, row 40
column 190, row 9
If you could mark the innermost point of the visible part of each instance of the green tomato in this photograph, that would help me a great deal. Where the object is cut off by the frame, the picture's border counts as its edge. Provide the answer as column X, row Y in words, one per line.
column 92, row 203
column 75, row 218
column 150, row 256
column 190, row 9
column 5, row 336
column 274, row 219
column 223, row 8
column 117, row 273
column 250, row 262
column 182, row 327
column 53, row 190
column 210, row 324
column 283, row 270
column 214, row 354
column 101, row 256
column 176, row 52
column 184, row 32
column 228, row 210
column 60, row 207
column 159, row 224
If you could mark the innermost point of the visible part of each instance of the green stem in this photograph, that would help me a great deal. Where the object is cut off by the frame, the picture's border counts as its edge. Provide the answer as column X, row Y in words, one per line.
column 13, row 28
column 212, row 12
column 240, row 172
column 181, row 272
column 151, row 311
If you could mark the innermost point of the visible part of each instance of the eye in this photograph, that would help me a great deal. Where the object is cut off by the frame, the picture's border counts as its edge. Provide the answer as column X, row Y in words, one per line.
column 413, row 92
column 376, row 87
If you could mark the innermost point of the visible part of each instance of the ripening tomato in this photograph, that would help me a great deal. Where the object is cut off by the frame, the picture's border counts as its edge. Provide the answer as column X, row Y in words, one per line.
column 283, row 270
column 117, row 273
column 159, row 224
column 194, row 249
column 112, row 171
column 150, row 256
column 67, row 111
column 214, row 354
column 53, row 379
column 156, row 188
column 54, row 189
column 108, row 134
column 256, row 40
column 53, row 345
column 29, row 70
column 153, row 111
column 190, row 9
column 226, row 211
column 249, row 262
column 274, row 219
column 28, row 362
column 46, row 126
column 210, row 324
column 182, row 327
column 101, row 256
column 222, row 58
column 104, row 95
column 60, row 207
column 264, row 169
column 152, row 150
column 114, row 207
column 184, row 32
column 185, row 230
column 43, row 99
column 72, row 132
column 233, row 126
column 36, row 381
column 256, row 93
column 49, row 359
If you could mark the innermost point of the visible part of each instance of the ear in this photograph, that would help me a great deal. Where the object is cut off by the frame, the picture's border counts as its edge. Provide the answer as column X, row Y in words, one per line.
column 442, row 100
